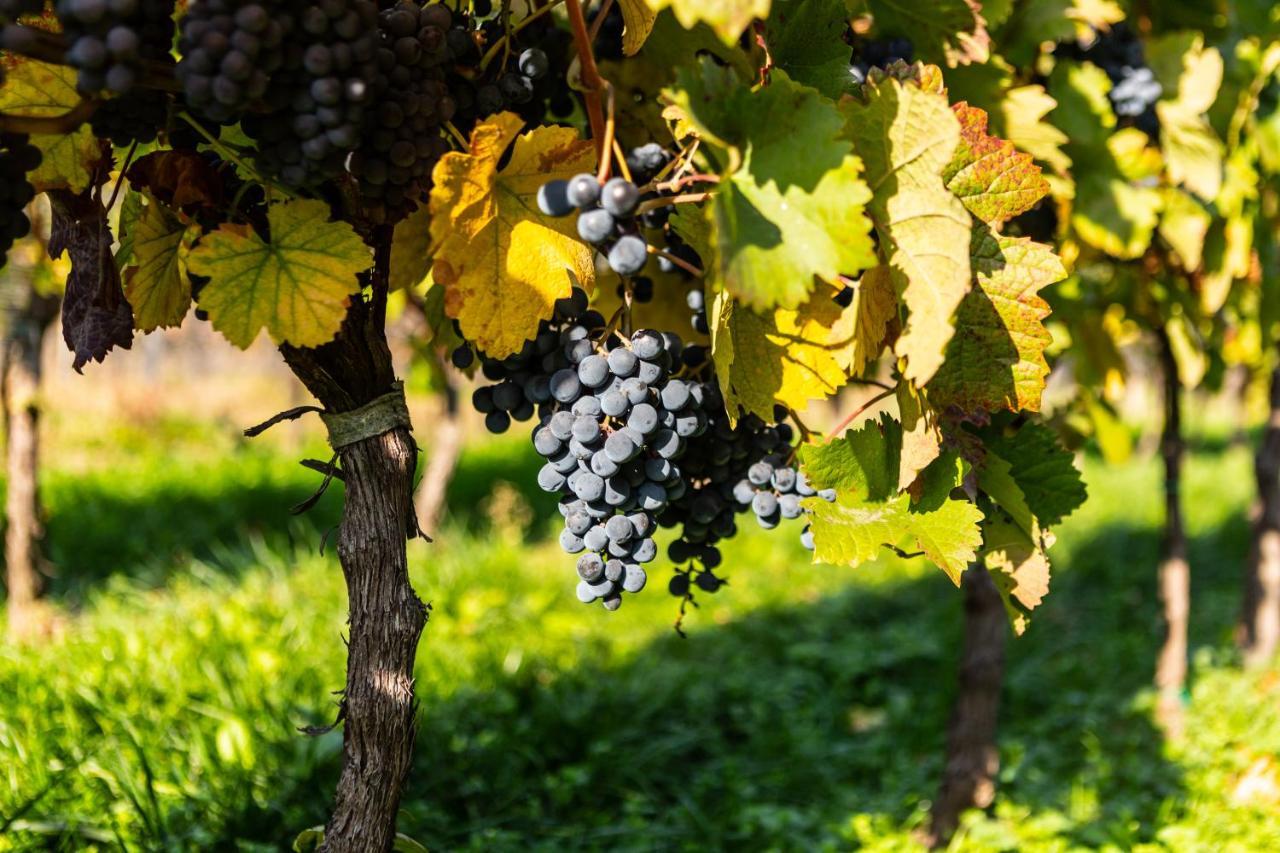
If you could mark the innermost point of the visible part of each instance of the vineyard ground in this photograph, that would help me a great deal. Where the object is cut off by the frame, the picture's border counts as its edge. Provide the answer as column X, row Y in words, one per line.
column 807, row 709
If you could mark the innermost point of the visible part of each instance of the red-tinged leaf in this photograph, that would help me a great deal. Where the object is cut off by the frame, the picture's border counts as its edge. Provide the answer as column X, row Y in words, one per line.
column 180, row 179
column 95, row 315
column 995, row 180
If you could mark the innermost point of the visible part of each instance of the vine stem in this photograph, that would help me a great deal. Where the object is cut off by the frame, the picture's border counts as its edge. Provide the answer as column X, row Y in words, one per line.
column 600, row 16
column 590, row 74
column 840, row 427
column 608, row 143
column 678, row 183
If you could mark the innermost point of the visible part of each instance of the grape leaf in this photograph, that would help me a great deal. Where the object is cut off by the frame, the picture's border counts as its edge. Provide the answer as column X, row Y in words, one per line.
column 1184, row 225
column 869, row 512
column 1192, row 151
column 875, row 305
column 502, row 262
column 921, row 438
column 1110, row 212
column 1043, row 469
column 994, row 180
column 777, row 220
column 1018, row 567
column 297, row 286
column 639, row 19
column 727, row 17
column 95, row 316
column 996, row 359
column 180, row 179
column 33, row 88
column 155, row 280
column 806, row 40
column 950, row 31
column 906, row 135
column 780, row 356
column 1023, row 110
column 411, row 250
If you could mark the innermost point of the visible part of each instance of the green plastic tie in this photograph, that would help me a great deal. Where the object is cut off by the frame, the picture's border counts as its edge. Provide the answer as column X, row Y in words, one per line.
column 371, row 420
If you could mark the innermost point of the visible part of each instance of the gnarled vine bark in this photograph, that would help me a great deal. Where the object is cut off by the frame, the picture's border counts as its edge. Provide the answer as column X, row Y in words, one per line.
column 1174, row 571
column 969, row 777
column 386, row 617
column 1260, row 620
column 27, row 316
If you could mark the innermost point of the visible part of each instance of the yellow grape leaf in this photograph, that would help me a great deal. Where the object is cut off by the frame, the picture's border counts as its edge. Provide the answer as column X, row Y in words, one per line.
column 1184, row 225
column 155, row 280
column 639, row 19
column 727, row 17
column 874, row 305
column 906, row 136
column 781, row 356
column 297, row 286
column 996, row 358
column 1019, row 568
column 1023, row 110
column 34, row 88
column 921, row 438
column 502, row 262
column 411, row 250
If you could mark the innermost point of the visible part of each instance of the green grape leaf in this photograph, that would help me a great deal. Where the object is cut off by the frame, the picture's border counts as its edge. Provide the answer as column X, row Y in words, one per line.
column 1044, row 470
column 806, row 40
column 869, row 513
column 1038, row 21
column 906, row 135
column 950, row 31
column 780, row 356
column 1184, row 225
column 777, row 220
column 155, row 279
column 996, row 358
column 727, row 17
column 33, row 88
column 994, row 180
column 297, row 286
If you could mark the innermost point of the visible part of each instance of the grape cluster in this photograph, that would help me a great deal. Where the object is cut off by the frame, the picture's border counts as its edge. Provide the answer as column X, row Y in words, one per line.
column 230, row 49
column 133, row 117
column 317, row 98
column 110, row 42
column 1134, row 88
column 17, row 157
column 606, row 217
column 877, row 53
column 634, row 434
column 401, row 141
column 529, row 80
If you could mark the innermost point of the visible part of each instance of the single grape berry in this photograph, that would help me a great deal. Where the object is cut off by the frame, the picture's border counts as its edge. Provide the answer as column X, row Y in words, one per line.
column 583, row 191
column 620, row 197
column 553, row 199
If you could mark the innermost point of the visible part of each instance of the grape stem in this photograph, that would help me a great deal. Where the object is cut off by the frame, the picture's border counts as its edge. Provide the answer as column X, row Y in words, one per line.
column 599, row 21
column 680, row 262
column 52, row 125
column 609, row 143
column 678, row 183
column 590, row 74
column 655, row 203
column 124, row 167
column 840, row 427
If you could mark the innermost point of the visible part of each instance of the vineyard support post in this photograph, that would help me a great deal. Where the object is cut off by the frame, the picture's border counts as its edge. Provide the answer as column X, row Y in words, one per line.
column 969, row 777
column 386, row 617
column 1260, row 622
column 28, row 316
column 1174, row 571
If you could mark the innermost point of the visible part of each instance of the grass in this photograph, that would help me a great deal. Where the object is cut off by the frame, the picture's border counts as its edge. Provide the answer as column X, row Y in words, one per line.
column 806, row 711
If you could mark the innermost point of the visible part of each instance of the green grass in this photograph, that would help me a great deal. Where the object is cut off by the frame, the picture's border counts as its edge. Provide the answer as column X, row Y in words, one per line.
column 807, row 710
